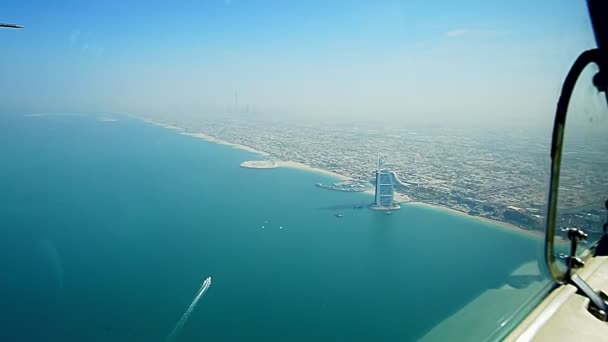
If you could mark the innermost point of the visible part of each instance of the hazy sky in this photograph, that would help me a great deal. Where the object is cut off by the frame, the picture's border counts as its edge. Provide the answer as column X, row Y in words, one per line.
column 416, row 61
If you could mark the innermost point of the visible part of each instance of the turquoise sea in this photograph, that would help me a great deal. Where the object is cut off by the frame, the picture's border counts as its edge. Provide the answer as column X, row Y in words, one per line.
column 109, row 229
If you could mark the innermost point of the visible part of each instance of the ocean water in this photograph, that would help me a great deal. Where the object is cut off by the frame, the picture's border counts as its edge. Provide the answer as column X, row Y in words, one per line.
column 109, row 229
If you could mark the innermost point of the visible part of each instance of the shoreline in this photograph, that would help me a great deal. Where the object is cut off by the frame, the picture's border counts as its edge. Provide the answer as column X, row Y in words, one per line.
column 163, row 125
column 277, row 163
column 273, row 164
column 401, row 199
column 501, row 224
column 206, row 137
column 226, row 143
column 300, row 166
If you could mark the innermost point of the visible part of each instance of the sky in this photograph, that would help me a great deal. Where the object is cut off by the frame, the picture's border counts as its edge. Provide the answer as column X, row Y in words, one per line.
column 453, row 62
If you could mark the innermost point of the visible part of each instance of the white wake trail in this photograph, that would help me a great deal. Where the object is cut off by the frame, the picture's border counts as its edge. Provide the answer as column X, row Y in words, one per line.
column 184, row 319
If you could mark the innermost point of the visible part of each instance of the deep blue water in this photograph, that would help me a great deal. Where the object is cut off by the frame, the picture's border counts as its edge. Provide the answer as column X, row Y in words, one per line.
column 109, row 228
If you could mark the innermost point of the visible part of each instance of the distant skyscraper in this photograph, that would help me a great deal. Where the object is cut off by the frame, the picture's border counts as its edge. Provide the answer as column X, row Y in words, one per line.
column 385, row 190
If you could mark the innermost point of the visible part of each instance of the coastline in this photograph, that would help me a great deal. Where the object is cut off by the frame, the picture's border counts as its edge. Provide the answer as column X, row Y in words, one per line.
column 501, row 224
column 167, row 126
column 296, row 165
column 224, row 142
column 273, row 164
column 401, row 199
column 206, row 137
column 278, row 163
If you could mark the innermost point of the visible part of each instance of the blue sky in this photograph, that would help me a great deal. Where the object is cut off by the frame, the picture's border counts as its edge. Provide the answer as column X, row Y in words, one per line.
column 413, row 61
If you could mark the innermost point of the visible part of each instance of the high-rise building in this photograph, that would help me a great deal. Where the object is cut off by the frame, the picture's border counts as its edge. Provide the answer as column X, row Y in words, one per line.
column 385, row 190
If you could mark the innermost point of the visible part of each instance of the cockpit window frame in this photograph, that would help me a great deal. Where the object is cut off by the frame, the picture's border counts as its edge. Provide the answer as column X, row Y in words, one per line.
column 598, row 12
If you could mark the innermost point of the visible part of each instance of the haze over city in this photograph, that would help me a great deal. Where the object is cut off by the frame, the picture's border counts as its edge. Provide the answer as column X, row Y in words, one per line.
column 417, row 62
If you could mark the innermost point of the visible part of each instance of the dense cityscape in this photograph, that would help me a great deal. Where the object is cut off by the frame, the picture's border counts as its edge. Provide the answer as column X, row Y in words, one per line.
column 496, row 174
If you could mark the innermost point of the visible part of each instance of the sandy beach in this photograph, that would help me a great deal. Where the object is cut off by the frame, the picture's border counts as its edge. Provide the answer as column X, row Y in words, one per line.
column 206, row 137
column 163, row 125
column 251, row 164
column 259, row 164
column 271, row 164
column 502, row 224
column 223, row 142
column 300, row 166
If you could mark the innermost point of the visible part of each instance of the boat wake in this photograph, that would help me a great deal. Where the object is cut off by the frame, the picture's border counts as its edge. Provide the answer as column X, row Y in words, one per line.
column 178, row 327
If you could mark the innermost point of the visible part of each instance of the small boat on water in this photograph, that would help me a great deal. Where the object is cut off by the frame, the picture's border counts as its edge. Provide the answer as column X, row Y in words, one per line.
column 338, row 215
